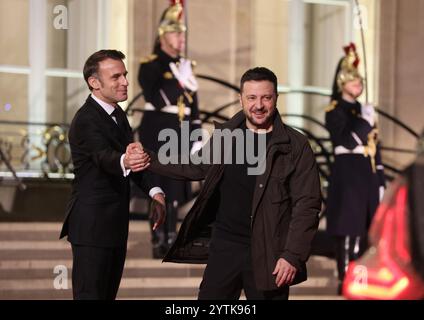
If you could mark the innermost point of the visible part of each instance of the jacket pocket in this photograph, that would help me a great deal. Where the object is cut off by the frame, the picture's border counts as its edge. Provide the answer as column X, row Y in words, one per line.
column 279, row 192
column 282, row 168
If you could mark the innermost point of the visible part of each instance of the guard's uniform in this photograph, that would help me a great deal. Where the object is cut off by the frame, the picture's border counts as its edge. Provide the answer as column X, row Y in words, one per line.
column 357, row 175
column 168, row 103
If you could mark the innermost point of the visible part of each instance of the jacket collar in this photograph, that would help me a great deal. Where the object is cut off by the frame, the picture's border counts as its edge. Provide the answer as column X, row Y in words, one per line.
column 100, row 110
column 165, row 58
column 106, row 106
column 95, row 107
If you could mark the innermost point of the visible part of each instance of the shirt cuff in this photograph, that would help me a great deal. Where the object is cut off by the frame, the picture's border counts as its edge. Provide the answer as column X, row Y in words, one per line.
column 154, row 191
column 125, row 172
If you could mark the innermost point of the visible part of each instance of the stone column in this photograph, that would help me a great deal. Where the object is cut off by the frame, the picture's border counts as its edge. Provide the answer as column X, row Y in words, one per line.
column 401, row 72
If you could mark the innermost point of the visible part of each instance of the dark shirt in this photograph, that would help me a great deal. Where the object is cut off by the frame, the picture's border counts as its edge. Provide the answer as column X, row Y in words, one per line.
column 235, row 194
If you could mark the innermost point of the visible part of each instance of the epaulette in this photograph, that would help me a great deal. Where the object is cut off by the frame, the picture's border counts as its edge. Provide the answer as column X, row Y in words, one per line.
column 168, row 75
column 148, row 58
column 331, row 106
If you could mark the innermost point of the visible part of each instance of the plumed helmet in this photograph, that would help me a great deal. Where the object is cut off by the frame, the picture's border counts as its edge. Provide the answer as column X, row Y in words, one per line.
column 172, row 19
column 347, row 70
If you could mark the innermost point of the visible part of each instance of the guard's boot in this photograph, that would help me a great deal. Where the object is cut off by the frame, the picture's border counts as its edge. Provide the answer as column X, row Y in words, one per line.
column 348, row 248
column 342, row 258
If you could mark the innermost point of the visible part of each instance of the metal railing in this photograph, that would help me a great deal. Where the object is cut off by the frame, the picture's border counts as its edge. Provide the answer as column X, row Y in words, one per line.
column 52, row 153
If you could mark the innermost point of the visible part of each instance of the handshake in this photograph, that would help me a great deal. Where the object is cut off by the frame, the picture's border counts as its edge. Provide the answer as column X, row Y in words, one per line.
column 136, row 159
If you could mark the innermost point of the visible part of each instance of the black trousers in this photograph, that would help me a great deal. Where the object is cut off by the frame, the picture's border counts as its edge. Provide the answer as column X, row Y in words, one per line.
column 97, row 272
column 229, row 271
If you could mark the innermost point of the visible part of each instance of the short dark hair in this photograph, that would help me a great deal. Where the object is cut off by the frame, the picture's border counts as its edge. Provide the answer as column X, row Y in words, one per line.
column 259, row 74
column 91, row 66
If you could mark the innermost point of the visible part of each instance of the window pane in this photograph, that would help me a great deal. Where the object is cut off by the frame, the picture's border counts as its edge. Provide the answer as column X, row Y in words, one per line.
column 56, row 100
column 271, row 31
column 13, row 107
column 64, row 97
column 57, row 21
column 14, row 97
column 14, row 32
column 326, row 34
column 325, row 37
column 69, row 48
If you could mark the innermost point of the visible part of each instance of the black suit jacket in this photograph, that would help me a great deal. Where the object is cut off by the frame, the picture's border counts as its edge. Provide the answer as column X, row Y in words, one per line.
column 98, row 211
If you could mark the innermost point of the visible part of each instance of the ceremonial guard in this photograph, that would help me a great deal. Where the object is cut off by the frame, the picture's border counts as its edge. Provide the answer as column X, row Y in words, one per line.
column 170, row 91
column 357, row 178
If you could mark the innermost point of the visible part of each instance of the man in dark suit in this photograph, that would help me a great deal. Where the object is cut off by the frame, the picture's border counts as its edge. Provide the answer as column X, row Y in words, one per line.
column 98, row 213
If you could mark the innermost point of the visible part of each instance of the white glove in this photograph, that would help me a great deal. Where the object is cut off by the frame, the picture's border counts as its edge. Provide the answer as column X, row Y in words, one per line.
column 368, row 113
column 197, row 145
column 184, row 74
column 381, row 193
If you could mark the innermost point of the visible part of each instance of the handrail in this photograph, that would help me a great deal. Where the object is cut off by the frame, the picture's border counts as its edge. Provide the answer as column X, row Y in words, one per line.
column 398, row 122
column 32, row 123
column 207, row 115
column 309, row 91
column 9, row 166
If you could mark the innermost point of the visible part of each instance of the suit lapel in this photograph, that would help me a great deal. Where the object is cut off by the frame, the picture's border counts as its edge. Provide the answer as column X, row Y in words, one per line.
column 110, row 128
column 123, row 124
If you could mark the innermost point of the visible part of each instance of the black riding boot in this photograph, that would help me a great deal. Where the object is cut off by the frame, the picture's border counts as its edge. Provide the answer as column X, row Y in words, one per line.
column 348, row 248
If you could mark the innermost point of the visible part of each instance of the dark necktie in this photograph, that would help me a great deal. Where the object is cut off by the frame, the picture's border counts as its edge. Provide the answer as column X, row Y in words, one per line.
column 120, row 116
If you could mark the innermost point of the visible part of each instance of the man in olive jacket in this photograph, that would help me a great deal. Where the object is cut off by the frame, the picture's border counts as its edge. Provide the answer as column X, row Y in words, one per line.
column 262, row 225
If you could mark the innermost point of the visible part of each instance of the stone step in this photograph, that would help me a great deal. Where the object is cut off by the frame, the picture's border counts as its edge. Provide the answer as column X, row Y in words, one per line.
column 129, row 272
column 134, row 268
column 29, row 252
column 144, row 287
column 26, row 264
column 129, row 263
column 53, row 235
column 35, row 254
column 126, row 283
column 51, row 230
column 159, row 287
column 52, row 245
column 47, row 245
column 15, row 269
column 182, row 279
column 30, row 260
column 130, row 287
column 134, row 226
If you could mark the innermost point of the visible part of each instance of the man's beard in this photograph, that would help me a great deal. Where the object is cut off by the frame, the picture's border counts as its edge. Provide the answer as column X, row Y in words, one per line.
column 268, row 120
